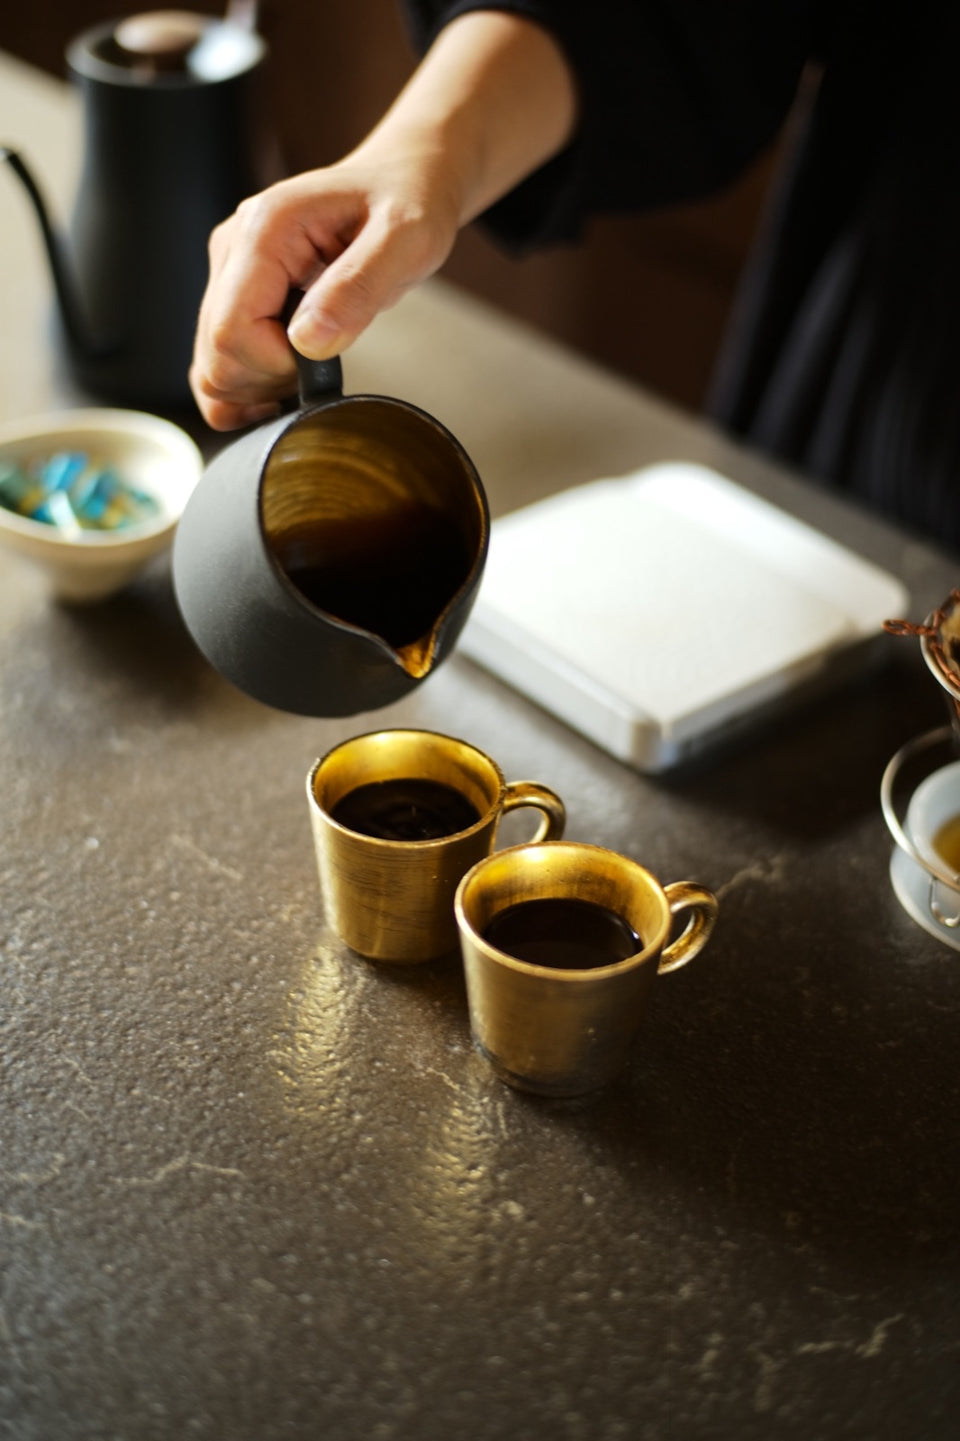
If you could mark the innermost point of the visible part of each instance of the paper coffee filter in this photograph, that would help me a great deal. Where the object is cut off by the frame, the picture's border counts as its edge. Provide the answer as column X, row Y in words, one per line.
column 653, row 609
column 658, row 606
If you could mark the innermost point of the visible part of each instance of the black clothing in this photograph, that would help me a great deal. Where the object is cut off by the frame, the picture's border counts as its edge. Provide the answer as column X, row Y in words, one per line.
column 843, row 354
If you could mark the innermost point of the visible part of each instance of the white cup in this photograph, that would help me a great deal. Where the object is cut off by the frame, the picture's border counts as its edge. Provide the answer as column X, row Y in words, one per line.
column 936, row 801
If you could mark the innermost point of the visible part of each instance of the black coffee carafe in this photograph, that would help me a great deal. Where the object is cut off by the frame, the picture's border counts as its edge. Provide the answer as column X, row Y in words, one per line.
column 370, row 493
column 173, row 140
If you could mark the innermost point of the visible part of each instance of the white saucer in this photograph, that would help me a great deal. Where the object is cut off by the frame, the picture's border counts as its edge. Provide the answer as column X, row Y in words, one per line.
column 911, row 886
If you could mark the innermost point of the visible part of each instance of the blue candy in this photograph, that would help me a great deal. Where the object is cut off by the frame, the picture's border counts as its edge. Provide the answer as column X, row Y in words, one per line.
column 70, row 491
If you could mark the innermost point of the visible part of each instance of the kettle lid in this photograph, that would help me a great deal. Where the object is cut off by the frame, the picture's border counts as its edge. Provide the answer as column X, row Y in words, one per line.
column 166, row 46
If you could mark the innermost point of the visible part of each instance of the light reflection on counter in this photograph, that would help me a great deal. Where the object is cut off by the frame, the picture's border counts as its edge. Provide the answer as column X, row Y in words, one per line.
column 441, row 1184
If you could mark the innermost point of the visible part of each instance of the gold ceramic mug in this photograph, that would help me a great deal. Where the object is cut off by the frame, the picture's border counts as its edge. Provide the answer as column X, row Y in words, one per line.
column 392, row 899
column 557, row 1031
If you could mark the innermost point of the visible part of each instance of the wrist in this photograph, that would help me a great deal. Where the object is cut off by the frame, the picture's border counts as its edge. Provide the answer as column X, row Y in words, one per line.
column 493, row 99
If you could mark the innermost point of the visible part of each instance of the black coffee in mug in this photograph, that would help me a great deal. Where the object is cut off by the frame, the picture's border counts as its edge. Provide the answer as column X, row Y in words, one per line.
column 563, row 933
column 405, row 808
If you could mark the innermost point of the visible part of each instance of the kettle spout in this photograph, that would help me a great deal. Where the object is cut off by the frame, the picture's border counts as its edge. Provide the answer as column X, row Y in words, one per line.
column 65, row 287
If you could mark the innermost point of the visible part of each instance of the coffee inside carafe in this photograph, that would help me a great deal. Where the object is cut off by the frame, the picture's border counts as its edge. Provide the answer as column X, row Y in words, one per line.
column 391, row 574
column 369, row 522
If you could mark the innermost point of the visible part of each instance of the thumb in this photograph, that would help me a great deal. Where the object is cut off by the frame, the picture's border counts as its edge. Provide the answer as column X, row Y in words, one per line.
column 372, row 273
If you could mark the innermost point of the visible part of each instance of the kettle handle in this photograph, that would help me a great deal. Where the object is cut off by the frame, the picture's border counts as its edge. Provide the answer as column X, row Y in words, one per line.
column 317, row 380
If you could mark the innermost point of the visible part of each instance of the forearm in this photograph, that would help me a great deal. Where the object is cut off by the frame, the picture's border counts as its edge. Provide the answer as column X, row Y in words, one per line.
column 492, row 100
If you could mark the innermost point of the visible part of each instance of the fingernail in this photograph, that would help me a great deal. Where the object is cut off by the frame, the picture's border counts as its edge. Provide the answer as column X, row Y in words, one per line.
column 309, row 335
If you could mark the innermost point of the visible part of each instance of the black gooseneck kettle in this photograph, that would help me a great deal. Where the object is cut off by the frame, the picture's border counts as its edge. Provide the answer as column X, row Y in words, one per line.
column 173, row 141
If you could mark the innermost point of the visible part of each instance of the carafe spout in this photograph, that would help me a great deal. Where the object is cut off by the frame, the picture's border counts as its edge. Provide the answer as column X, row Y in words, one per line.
column 418, row 656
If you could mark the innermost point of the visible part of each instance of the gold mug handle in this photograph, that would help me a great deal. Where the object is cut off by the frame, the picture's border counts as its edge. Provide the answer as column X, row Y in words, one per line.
column 703, row 906
column 553, row 816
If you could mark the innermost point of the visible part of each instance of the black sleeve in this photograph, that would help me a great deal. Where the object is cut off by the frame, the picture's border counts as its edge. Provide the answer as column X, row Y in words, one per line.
column 676, row 98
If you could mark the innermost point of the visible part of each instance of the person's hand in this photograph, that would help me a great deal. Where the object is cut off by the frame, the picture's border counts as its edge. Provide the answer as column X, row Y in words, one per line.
column 493, row 99
column 354, row 237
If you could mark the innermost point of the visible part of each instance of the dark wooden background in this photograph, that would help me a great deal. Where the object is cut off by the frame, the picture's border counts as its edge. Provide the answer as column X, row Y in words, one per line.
column 647, row 296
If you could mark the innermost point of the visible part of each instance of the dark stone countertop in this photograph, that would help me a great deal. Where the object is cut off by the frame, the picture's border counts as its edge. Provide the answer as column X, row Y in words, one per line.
column 254, row 1188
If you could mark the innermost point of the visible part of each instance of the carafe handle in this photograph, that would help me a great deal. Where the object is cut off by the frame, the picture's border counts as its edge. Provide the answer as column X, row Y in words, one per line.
column 317, row 380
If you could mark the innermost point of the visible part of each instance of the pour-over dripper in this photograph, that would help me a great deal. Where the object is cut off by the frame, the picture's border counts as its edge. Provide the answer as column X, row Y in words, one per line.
column 926, row 886
column 939, row 637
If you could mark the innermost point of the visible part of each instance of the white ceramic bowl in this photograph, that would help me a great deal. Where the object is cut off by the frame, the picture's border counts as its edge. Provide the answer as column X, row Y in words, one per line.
column 153, row 454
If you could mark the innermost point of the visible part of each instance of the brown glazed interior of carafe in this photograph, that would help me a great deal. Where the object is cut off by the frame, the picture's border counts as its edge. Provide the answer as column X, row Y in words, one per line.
column 373, row 514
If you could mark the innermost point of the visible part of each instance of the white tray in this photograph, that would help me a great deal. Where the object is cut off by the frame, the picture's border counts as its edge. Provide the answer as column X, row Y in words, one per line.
column 657, row 611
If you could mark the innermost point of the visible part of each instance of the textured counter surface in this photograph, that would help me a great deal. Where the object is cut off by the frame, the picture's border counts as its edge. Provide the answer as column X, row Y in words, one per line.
column 252, row 1187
